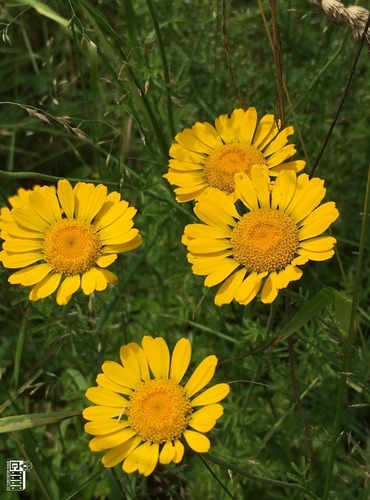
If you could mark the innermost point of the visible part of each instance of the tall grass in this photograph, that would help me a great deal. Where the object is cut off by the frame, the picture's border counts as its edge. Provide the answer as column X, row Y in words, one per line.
column 96, row 90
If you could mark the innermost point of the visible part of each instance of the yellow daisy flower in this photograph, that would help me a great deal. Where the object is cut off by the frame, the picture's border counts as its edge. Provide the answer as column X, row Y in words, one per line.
column 206, row 156
column 280, row 228
column 65, row 239
column 143, row 411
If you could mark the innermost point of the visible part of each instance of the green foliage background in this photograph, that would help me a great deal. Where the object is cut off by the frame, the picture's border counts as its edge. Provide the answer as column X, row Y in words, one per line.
column 85, row 95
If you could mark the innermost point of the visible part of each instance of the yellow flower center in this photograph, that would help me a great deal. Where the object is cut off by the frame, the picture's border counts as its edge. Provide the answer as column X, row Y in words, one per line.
column 71, row 246
column 159, row 411
column 265, row 240
column 222, row 164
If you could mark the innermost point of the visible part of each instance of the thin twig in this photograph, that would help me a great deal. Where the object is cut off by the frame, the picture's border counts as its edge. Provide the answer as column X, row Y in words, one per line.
column 226, row 47
column 343, row 98
column 278, row 61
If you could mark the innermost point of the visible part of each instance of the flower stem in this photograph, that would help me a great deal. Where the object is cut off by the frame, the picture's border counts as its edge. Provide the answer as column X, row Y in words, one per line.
column 166, row 73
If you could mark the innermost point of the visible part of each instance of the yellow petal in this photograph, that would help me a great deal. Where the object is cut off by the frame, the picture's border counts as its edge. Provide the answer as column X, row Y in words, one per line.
column 105, row 426
column 206, row 133
column 180, row 360
column 261, row 183
column 66, row 198
column 228, row 266
column 308, row 196
column 177, row 166
column 106, row 260
column 317, row 256
column 279, row 142
column 69, row 286
column 143, row 458
column 216, row 209
column 141, row 359
column 201, row 376
column 100, row 412
column 319, row 244
column 130, row 362
column 20, row 245
column 121, row 375
column 115, row 455
column 132, row 240
column 225, row 129
column 48, row 209
column 282, row 155
column 226, row 293
column 103, row 381
column 197, row 442
column 179, row 451
column 318, row 221
column 188, row 140
column 204, row 419
column 192, row 179
column 203, row 231
column 30, row 219
column 30, row 275
column 244, row 123
column 249, row 288
column 167, row 453
column 177, row 152
column 208, row 263
column 190, row 193
column 283, row 190
column 107, row 217
column 270, row 289
column 100, row 443
column 296, row 166
column 104, row 397
column 16, row 260
column 212, row 395
column 89, row 200
column 158, row 355
column 208, row 246
column 264, row 129
column 50, row 196
column 45, row 287
column 245, row 191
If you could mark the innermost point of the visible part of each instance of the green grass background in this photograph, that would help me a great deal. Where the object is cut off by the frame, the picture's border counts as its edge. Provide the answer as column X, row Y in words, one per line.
column 87, row 94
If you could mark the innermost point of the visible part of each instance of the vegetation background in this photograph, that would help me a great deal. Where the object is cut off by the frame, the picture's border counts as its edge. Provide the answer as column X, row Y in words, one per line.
column 97, row 90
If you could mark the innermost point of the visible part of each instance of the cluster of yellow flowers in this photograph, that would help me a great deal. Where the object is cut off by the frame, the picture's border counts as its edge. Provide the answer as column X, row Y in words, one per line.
column 259, row 222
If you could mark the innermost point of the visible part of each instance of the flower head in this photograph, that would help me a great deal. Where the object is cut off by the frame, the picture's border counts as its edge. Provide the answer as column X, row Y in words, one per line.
column 144, row 412
column 66, row 238
column 280, row 229
column 206, row 156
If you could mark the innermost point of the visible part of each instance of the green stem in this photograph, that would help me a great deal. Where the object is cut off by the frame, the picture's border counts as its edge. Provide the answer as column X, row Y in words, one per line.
column 342, row 386
column 166, row 72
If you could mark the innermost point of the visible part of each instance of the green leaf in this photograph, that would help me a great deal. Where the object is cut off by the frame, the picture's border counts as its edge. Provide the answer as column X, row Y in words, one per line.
column 343, row 307
column 312, row 308
column 20, row 422
column 46, row 11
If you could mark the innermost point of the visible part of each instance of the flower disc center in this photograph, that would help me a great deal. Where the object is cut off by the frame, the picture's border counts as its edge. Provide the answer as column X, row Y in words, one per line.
column 222, row 164
column 265, row 240
column 159, row 411
column 71, row 246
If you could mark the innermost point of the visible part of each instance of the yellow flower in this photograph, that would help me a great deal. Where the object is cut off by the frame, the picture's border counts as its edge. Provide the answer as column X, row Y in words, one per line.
column 143, row 411
column 65, row 239
column 207, row 156
column 280, row 228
